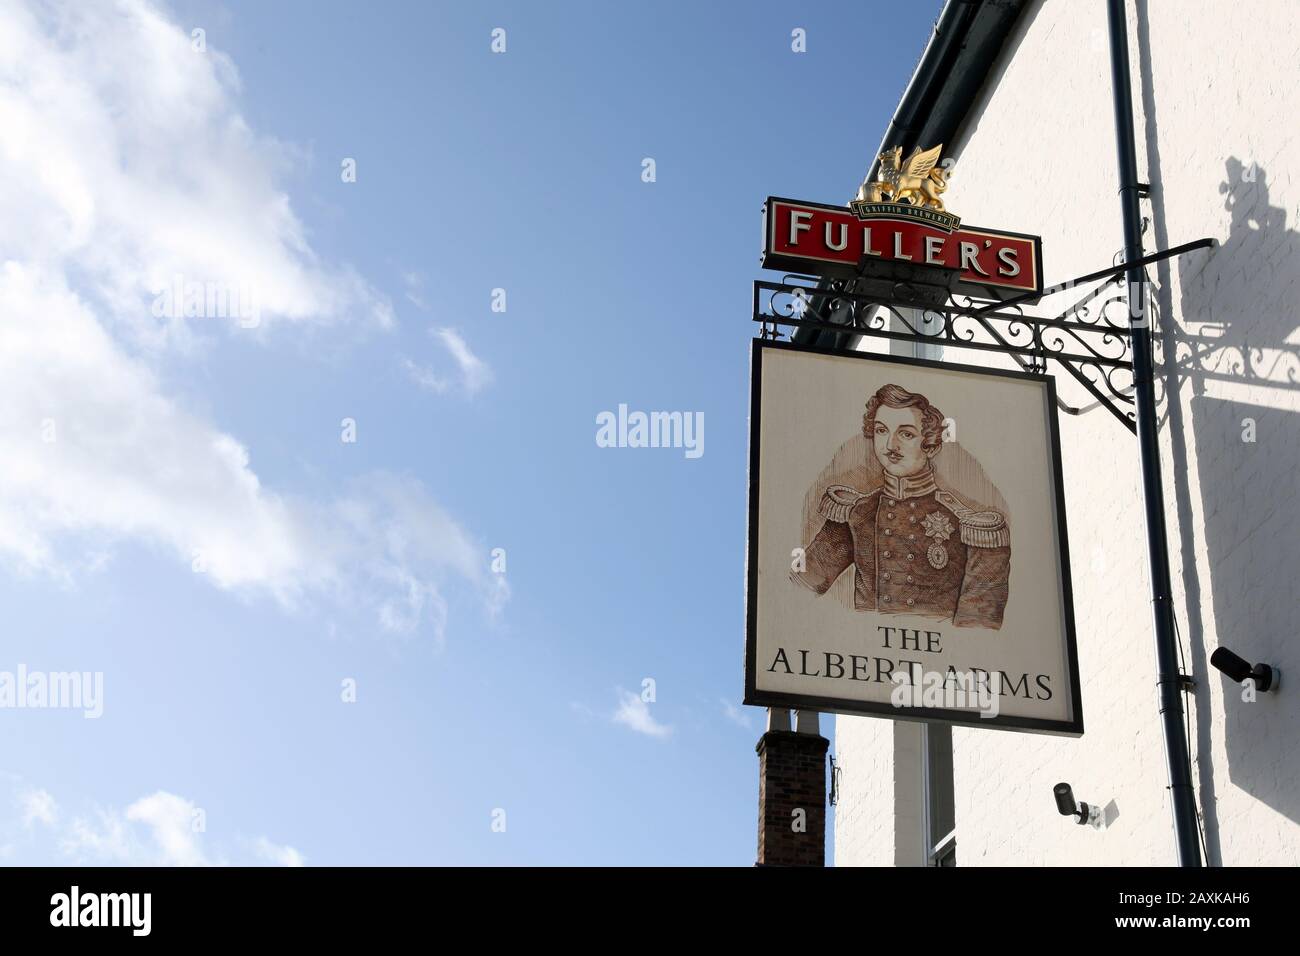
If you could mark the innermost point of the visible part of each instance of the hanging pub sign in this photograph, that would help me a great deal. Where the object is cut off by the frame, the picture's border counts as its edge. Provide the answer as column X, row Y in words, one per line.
column 898, row 230
column 907, row 544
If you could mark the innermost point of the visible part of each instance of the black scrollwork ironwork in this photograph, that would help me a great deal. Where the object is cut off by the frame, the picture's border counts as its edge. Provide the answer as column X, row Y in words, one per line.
column 1090, row 339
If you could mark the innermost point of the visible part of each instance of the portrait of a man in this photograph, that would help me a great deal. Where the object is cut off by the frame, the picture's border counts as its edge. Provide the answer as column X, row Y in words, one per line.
column 915, row 547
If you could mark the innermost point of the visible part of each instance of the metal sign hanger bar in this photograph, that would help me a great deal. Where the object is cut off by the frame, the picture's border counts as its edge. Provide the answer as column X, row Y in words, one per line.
column 1092, row 348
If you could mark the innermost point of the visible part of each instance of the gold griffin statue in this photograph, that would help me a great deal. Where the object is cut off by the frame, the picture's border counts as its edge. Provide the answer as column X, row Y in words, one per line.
column 918, row 182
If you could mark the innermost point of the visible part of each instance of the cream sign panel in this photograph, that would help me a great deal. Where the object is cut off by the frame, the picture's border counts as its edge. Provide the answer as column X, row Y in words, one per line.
column 907, row 544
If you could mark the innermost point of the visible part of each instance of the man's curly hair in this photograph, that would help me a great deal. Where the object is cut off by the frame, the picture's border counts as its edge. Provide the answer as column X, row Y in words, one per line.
column 895, row 396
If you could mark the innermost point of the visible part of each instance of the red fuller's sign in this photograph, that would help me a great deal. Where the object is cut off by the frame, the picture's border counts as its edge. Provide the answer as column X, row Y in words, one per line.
column 816, row 239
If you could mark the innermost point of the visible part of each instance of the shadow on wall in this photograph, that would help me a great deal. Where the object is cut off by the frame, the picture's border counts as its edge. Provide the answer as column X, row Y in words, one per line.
column 1243, row 302
column 1244, row 298
column 1236, row 325
column 1252, row 530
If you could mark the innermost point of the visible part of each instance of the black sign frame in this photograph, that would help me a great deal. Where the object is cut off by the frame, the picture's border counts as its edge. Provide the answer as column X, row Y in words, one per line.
column 1072, row 727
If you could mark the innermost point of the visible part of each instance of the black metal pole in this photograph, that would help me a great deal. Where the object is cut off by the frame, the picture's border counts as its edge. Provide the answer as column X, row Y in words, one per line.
column 1168, row 685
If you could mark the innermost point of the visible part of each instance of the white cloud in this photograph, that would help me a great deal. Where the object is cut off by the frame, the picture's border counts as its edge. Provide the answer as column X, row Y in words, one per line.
column 104, row 840
column 125, row 163
column 92, row 446
column 37, row 807
column 170, row 821
column 398, row 543
column 414, row 282
column 277, row 855
column 161, row 829
column 124, row 461
column 125, row 152
column 582, row 710
column 472, row 373
column 425, row 377
column 635, row 713
column 734, row 713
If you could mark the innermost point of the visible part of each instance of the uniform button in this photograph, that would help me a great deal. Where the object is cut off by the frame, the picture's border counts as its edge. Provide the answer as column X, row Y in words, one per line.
column 911, row 601
column 909, row 579
column 884, row 554
column 912, row 505
column 886, row 598
column 911, row 537
column 911, row 557
column 888, row 532
column 885, row 576
column 911, row 520
column 891, row 514
column 889, row 502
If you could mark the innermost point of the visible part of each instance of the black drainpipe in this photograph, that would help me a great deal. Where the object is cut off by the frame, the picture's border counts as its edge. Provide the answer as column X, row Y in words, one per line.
column 965, row 43
column 1169, row 679
column 916, row 109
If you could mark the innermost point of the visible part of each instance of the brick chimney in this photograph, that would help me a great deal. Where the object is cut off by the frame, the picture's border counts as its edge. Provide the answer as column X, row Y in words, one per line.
column 792, row 791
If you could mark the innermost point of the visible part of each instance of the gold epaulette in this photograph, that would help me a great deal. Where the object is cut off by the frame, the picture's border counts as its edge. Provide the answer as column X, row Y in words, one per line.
column 979, row 529
column 839, row 501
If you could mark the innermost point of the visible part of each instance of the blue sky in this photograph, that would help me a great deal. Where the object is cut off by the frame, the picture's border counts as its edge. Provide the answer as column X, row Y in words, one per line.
column 180, row 512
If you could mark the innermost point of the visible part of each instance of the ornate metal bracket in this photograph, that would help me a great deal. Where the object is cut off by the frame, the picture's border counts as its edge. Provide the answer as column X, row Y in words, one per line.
column 1083, row 339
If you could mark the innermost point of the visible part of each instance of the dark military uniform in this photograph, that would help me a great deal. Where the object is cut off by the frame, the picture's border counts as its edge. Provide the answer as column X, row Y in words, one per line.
column 916, row 549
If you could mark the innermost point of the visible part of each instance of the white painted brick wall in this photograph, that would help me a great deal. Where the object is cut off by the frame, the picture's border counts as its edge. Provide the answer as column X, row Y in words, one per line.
column 1040, row 158
column 864, row 817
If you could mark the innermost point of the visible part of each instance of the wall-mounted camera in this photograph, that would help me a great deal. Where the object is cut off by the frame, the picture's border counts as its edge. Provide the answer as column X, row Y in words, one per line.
column 1090, row 814
column 1264, row 676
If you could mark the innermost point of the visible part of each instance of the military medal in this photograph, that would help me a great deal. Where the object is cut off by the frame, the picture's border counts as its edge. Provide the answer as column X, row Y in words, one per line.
column 937, row 526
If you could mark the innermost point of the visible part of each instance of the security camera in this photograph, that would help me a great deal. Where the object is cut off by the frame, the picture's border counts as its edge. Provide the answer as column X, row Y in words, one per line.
column 1065, row 799
column 1265, row 677
column 1067, row 806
